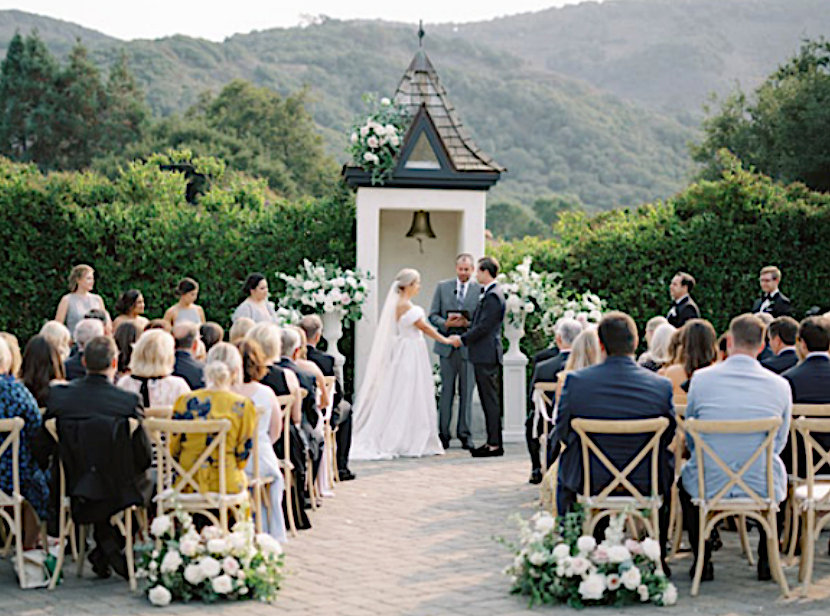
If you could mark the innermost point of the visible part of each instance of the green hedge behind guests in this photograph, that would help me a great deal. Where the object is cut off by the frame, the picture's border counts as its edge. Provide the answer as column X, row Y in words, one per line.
column 722, row 232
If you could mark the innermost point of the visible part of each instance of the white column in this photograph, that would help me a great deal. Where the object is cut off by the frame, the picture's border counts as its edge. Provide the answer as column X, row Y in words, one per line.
column 515, row 384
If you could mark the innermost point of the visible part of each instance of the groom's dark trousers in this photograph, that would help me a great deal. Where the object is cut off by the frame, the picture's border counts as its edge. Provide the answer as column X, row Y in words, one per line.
column 487, row 381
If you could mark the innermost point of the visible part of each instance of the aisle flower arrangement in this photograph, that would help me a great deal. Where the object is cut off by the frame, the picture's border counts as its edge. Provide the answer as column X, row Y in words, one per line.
column 556, row 563
column 325, row 288
column 185, row 565
column 375, row 142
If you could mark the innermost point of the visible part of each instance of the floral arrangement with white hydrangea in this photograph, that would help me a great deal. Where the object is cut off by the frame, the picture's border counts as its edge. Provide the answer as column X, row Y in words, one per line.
column 556, row 563
column 325, row 288
column 586, row 308
column 375, row 142
column 186, row 565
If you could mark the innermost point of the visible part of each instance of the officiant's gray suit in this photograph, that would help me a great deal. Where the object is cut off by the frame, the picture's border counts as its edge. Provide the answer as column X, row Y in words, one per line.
column 454, row 364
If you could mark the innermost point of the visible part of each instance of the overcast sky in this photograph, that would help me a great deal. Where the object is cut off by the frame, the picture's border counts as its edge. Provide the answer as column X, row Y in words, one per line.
column 216, row 20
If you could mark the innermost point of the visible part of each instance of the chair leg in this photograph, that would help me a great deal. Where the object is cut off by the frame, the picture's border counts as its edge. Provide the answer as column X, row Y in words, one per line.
column 701, row 552
column 63, row 523
column 795, row 521
column 808, row 549
column 289, row 505
column 18, row 536
column 128, row 547
column 745, row 546
column 309, row 480
column 774, row 553
column 82, row 549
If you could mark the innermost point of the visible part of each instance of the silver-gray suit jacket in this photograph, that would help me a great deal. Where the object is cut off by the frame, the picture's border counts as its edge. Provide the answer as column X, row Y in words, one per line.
column 445, row 301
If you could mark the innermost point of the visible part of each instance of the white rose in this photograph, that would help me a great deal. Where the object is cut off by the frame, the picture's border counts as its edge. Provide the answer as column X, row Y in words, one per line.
column 595, row 316
column 651, row 548
column 538, row 559
column 642, row 590
column 385, row 102
column 153, row 566
column 351, row 281
column 580, row 565
column 161, row 526
column 338, row 282
column 172, row 561
column 358, row 297
column 193, row 574
column 211, row 532
column 592, row 587
column 239, row 543
column 545, row 523
column 561, row 551
column 222, row 585
column 230, row 565
column 189, row 547
column 308, row 285
column 631, row 578
column 586, row 544
column 354, row 138
column 364, row 130
column 268, row 545
column 394, row 140
column 159, row 596
column 612, row 581
column 210, row 567
column 618, row 554
column 335, row 296
column 373, row 142
column 218, row 546
column 669, row 595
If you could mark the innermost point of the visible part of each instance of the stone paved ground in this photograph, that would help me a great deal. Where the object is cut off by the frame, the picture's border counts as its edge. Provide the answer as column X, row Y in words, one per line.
column 415, row 538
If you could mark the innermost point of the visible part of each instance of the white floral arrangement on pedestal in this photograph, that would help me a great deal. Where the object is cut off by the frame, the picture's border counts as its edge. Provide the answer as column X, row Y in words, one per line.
column 375, row 142
column 186, row 565
column 561, row 565
column 527, row 291
column 586, row 308
column 325, row 288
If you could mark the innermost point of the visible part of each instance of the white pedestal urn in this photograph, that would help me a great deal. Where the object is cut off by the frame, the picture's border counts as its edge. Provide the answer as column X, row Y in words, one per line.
column 515, row 380
column 332, row 333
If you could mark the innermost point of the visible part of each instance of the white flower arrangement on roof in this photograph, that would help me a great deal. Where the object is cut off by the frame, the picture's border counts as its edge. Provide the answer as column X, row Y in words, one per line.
column 375, row 142
column 324, row 288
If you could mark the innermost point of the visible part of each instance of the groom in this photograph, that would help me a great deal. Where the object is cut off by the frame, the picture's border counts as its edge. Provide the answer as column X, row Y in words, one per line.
column 483, row 342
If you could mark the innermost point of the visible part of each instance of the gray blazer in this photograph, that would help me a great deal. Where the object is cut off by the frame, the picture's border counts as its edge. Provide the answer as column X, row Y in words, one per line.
column 443, row 302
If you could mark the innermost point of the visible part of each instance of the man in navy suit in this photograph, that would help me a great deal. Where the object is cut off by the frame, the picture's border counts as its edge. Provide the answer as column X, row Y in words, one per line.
column 782, row 333
column 190, row 369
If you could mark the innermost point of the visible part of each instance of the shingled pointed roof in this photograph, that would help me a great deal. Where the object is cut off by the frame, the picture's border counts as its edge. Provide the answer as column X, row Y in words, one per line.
column 419, row 87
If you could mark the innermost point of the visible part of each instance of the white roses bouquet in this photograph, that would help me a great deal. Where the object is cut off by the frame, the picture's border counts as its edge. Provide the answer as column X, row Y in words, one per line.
column 375, row 142
column 527, row 291
column 184, row 564
column 323, row 287
column 555, row 563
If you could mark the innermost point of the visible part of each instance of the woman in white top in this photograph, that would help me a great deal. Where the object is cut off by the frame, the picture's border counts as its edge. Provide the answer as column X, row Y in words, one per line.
column 256, row 305
column 80, row 299
column 151, row 371
column 186, row 310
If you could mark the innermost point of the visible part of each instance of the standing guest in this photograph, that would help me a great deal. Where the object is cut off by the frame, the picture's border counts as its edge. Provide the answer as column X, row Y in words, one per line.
column 738, row 389
column 80, row 299
column 130, row 307
column 186, row 310
column 683, row 307
column 17, row 401
column 211, row 333
column 452, row 309
column 125, row 337
column 151, row 371
column 659, row 354
column 14, row 349
column 59, row 336
column 159, row 324
column 255, row 306
column 186, row 366
column 546, row 371
column 240, row 329
column 86, row 330
column 698, row 349
column 42, row 367
column 772, row 301
column 782, row 333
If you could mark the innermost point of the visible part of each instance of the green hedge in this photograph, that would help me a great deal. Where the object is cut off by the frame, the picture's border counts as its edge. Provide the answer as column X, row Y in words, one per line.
column 722, row 232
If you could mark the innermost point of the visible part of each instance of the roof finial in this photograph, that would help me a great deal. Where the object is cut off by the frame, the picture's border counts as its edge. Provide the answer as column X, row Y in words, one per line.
column 421, row 34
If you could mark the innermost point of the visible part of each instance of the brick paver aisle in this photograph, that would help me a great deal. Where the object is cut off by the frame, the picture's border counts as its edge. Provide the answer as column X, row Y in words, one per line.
column 415, row 538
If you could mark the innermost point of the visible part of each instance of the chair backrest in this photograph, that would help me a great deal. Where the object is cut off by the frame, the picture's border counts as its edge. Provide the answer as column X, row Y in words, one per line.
column 286, row 402
column 159, row 412
column 331, row 382
column 620, row 478
column 796, row 439
column 697, row 428
column 817, row 455
column 172, row 476
column 11, row 428
column 545, row 389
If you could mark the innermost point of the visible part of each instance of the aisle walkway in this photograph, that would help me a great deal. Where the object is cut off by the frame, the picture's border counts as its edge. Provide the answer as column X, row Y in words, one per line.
column 416, row 538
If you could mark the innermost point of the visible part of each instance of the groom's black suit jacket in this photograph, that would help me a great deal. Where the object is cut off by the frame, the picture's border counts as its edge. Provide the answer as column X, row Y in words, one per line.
column 483, row 339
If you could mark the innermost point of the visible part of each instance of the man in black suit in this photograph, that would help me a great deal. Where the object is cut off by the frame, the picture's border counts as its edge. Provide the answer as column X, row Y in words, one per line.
column 782, row 333
column 772, row 301
column 545, row 372
column 312, row 325
column 105, row 464
column 484, row 348
column 683, row 306
column 190, row 369
column 85, row 330
column 616, row 389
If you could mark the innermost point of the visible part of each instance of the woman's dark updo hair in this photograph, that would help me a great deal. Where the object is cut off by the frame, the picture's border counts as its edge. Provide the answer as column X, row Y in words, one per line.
column 251, row 283
column 127, row 301
column 186, row 285
column 125, row 337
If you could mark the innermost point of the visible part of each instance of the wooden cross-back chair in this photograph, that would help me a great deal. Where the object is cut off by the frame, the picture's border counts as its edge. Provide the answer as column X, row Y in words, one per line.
column 12, row 429
column 608, row 501
column 258, row 485
column 329, row 432
column 761, row 508
column 286, row 402
column 542, row 401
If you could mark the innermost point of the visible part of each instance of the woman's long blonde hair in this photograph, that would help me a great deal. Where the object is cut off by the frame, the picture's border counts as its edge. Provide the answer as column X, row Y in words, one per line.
column 584, row 352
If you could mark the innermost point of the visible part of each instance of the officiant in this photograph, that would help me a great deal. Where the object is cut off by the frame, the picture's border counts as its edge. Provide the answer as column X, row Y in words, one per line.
column 453, row 305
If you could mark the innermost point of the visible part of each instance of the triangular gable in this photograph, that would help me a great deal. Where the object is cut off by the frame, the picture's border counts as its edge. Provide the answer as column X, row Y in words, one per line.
column 423, row 153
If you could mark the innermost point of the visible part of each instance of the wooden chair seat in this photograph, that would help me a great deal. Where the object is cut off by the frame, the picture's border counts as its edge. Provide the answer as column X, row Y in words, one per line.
column 820, row 491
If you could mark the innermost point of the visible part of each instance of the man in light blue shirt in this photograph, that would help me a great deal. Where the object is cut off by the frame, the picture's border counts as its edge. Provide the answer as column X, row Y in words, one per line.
column 737, row 389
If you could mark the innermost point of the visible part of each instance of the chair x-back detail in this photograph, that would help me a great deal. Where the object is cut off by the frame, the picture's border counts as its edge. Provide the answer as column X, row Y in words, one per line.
column 12, row 429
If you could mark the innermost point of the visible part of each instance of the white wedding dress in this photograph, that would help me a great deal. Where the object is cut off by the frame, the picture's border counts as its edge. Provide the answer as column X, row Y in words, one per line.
column 395, row 412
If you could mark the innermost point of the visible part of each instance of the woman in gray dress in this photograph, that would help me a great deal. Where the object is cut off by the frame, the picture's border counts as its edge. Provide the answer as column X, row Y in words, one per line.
column 80, row 299
column 255, row 305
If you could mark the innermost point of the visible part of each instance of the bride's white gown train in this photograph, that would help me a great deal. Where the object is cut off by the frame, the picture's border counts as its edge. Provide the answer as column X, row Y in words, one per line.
column 397, row 415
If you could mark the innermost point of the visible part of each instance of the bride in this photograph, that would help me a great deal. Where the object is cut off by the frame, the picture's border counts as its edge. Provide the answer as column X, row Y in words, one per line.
column 395, row 413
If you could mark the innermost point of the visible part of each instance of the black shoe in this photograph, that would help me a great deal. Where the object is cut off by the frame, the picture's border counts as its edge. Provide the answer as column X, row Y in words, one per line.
column 486, row 452
column 764, row 574
column 666, row 570
column 708, row 572
column 445, row 442
column 118, row 562
column 715, row 540
column 535, row 476
column 346, row 475
column 100, row 563
column 467, row 444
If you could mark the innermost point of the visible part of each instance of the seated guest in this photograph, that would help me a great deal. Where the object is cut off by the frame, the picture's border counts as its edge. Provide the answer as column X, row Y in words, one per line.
column 211, row 333
column 85, row 331
column 782, row 333
column 130, row 307
column 16, row 401
column 723, row 351
column 200, row 354
column 60, row 337
column 736, row 389
column 767, row 320
column 304, row 363
column 585, row 352
column 659, row 354
column 125, row 337
column 255, row 305
column 14, row 349
column 342, row 416
column 185, row 310
column 186, row 366
column 159, row 324
column 217, row 401
column 617, row 388
column 151, row 371
column 651, row 327
column 698, row 349
column 102, row 316
column 240, row 329
column 105, row 465
column 42, row 367
column 567, row 331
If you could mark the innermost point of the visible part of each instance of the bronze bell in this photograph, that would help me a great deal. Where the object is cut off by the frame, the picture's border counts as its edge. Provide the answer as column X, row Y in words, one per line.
column 421, row 229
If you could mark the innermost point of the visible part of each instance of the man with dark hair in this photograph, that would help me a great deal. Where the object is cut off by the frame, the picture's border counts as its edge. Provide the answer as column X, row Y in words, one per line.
column 190, row 369
column 810, row 380
column 782, row 333
column 617, row 388
column 683, row 306
column 772, row 301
